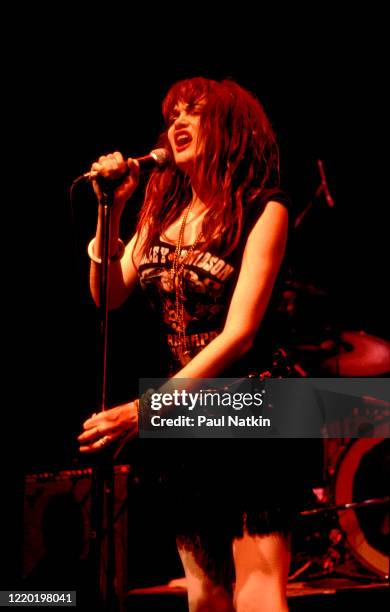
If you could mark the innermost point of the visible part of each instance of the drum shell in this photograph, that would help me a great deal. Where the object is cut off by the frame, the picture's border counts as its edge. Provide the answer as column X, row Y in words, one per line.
column 354, row 461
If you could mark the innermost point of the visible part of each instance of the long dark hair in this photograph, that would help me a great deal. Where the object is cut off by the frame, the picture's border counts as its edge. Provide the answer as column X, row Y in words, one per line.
column 240, row 159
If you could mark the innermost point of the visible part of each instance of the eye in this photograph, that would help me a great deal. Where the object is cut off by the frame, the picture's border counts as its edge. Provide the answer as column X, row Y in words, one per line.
column 172, row 116
column 195, row 109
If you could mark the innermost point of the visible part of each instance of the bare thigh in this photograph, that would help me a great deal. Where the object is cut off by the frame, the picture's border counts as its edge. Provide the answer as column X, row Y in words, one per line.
column 204, row 595
column 261, row 566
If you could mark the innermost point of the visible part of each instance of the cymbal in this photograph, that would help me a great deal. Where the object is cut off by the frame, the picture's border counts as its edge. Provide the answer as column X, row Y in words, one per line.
column 366, row 356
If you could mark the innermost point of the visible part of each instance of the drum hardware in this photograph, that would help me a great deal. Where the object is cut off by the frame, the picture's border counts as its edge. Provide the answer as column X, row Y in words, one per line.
column 319, row 345
column 325, row 556
column 357, row 531
column 364, row 467
column 321, row 189
column 347, row 506
column 332, row 556
column 344, row 353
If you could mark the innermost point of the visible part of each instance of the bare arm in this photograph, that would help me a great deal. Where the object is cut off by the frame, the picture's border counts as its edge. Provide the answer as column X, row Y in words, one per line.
column 122, row 273
column 261, row 261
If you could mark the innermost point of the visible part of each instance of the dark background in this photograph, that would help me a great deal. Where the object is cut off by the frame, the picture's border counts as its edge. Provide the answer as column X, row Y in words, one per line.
column 81, row 88
column 81, row 96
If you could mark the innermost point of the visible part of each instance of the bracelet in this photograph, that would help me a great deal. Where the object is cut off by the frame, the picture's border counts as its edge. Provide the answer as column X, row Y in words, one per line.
column 144, row 401
column 118, row 255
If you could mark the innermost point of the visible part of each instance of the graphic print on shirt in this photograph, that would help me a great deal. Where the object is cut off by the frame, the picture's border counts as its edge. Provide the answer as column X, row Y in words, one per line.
column 204, row 281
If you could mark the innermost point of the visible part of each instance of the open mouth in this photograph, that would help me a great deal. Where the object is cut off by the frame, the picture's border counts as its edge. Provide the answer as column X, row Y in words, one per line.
column 182, row 140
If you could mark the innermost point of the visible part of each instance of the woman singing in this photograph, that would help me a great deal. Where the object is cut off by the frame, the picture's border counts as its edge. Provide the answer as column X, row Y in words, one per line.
column 209, row 243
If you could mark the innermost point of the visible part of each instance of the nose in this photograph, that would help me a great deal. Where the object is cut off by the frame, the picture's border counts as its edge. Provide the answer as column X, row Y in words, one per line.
column 181, row 120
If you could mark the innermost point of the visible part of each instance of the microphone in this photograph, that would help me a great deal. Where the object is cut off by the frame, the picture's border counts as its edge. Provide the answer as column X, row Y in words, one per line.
column 324, row 184
column 156, row 158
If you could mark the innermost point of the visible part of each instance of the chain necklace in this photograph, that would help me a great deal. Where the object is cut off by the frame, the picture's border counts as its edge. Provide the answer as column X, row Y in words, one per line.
column 177, row 282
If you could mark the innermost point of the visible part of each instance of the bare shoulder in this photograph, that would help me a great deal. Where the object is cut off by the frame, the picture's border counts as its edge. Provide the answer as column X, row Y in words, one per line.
column 274, row 212
column 270, row 230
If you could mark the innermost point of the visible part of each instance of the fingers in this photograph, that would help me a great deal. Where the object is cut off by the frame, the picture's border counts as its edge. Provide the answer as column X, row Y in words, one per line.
column 97, row 431
column 108, row 426
column 96, row 446
column 93, row 438
column 105, row 421
column 90, row 435
column 133, row 165
column 111, row 165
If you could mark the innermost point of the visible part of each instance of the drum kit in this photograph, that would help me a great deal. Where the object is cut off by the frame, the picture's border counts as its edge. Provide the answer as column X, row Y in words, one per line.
column 346, row 532
column 355, row 471
column 320, row 348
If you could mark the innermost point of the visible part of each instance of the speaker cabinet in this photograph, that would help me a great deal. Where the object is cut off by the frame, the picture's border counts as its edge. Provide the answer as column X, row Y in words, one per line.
column 58, row 531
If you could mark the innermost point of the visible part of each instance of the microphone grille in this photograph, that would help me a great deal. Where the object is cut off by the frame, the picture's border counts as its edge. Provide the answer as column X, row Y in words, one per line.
column 162, row 157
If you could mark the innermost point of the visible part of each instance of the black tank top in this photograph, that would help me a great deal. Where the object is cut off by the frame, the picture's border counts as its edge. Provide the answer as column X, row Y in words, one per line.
column 208, row 284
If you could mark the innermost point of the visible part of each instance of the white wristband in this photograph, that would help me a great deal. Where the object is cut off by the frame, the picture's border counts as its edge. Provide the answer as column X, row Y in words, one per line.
column 118, row 255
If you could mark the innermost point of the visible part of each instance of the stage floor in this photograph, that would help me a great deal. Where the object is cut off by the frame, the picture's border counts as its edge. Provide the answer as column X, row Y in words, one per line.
column 325, row 594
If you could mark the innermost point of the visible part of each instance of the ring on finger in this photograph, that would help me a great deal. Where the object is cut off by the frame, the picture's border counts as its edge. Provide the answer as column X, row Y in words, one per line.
column 103, row 441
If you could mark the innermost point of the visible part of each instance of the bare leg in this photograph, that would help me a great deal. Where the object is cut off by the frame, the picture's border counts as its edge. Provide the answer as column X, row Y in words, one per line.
column 204, row 595
column 262, row 565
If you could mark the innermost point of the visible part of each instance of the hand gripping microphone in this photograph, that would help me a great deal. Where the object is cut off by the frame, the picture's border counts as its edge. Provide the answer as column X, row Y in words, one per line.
column 158, row 158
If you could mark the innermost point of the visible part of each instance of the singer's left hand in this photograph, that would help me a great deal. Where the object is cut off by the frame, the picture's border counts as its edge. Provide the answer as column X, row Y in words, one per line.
column 108, row 427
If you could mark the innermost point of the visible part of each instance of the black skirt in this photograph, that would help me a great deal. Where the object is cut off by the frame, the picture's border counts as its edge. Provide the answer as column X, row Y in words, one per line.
column 209, row 486
column 208, row 492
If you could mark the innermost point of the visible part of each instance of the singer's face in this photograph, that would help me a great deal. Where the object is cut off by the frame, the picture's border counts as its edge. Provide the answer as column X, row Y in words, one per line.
column 183, row 133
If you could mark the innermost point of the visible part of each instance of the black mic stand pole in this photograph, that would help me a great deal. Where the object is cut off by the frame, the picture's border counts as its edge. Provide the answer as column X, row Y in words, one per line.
column 102, row 502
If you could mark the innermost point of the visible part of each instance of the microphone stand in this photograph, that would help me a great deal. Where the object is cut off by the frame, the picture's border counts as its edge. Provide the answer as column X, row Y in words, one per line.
column 102, row 500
